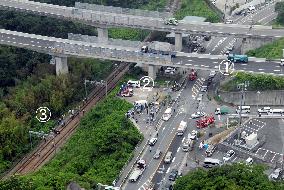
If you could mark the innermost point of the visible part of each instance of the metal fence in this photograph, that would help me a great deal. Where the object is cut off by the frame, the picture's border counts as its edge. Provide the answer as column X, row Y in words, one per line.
column 119, row 10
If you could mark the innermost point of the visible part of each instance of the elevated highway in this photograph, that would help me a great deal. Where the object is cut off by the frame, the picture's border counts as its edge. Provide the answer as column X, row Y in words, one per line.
column 63, row 48
column 103, row 20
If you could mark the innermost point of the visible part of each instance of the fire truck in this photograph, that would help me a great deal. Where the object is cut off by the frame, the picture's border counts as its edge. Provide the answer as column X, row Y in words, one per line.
column 193, row 75
column 205, row 122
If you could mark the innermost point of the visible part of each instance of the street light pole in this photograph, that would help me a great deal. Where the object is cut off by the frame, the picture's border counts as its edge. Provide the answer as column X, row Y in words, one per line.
column 243, row 88
column 258, row 93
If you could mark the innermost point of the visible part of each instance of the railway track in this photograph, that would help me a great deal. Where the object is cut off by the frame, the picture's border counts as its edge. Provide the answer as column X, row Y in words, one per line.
column 48, row 149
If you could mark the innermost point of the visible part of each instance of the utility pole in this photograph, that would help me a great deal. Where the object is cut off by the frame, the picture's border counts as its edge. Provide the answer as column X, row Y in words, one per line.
column 243, row 87
column 258, row 93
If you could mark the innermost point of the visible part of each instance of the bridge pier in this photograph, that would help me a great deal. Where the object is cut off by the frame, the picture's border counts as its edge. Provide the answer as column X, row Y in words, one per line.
column 61, row 65
column 253, row 43
column 152, row 71
column 178, row 41
column 102, row 35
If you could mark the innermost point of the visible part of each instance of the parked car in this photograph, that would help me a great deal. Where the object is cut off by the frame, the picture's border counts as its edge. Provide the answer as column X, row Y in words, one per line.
column 281, row 62
column 202, row 49
column 231, row 48
column 193, row 135
column 200, row 96
column 276, row 174
column 249, row 161
column 197, row 115
column 157, row 154
column 173, row 175
column 210, row 150
column 170, row 70
column 203, row 88
column 168, row 157
column 229, row 155
column 207, row 38
column 153, row 141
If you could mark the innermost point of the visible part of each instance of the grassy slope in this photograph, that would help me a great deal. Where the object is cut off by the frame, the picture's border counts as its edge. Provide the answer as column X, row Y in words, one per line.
column 196, row 8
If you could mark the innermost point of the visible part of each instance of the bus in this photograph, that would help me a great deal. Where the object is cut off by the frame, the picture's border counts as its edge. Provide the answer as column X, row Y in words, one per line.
column 211, row 162
column 243, row 109
column 167, row 115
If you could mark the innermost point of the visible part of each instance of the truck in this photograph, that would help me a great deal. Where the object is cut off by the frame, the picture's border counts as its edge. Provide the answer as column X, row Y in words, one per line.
column 181, row 128
column 138, row 170
column 192, row 75
column 188, row 145
column 162, row 48
column 223, row 110
column 238, row 58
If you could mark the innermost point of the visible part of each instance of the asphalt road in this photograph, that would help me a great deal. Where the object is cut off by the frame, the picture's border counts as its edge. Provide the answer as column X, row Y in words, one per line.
column 264, row 15
column 112, row 19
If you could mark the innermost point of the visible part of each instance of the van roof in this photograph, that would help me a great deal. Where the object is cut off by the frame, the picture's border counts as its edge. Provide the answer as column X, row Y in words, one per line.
column 168, row 110
column 211, row 160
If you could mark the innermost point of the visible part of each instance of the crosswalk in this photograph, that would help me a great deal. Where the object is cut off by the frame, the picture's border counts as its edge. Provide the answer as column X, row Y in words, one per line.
column 197, row 86
column 146, row 186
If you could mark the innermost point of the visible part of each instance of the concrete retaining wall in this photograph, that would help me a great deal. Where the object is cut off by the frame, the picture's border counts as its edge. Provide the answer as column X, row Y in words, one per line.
column 273, row 97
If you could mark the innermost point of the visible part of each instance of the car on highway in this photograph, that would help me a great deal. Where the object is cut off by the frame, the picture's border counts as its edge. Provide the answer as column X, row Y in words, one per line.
column 171, row 21
column 281, row 62
column 228, row 21
column 263, row 110
column 200, row 96
column 153, row 141
column 173, row 175
column 157, row 154
column 167, row 115
column 276, row 174
column 212, row 74
column 168, row 157
column 229, row 155
column 197, row 114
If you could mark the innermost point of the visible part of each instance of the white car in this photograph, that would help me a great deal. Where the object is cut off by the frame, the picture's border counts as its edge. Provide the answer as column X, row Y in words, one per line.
column 281, row 62
column 170, row 70
column 200, row 96
column 153, row 141
column 229, row 155
column 251, row 8
column 212, row 74
column 275, row 174
column 193, row 135
column 197, row 115
column 229, row 22
column 204, row 88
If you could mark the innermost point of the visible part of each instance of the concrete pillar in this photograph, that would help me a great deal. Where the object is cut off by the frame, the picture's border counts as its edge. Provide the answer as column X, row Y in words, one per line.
column 152, row 71
column 253, row 43
column 102, row 35
column 61, row 65
column 178, row 41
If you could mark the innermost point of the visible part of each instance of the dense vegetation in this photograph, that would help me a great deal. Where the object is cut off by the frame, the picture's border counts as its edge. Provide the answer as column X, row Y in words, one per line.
column 95, row 153
column 228, row 177
column 279, row 8
column 196, row 8
column 27, row 79
column 275, row 49
column 256, row 82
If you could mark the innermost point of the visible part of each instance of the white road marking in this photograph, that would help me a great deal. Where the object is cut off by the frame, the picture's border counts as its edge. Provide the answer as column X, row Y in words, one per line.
column 183, row 139
column 163, row 129
column 168, row 170
column 276, row 70
column 244, row 64
column 174, row 159
column 216, row 67
column 265, row 153
column 189, row 60
column 260, row 69
column 178, row 149
column 188, row 64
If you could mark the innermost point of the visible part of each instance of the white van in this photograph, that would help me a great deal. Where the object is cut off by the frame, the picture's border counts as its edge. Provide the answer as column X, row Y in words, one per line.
column 167, row 115
column 251, row 8
column 134, row 83
column 211, row 162
column 245, row 109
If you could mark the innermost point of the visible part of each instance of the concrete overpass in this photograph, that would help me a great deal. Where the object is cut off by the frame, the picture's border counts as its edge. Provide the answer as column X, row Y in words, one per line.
column 63, row 48
column 103, row 19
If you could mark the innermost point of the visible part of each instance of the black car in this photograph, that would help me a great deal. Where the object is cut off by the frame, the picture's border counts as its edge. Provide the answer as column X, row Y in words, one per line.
column 207, row 38
column 173, row 175
column 168, row 187
column 202, row 49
